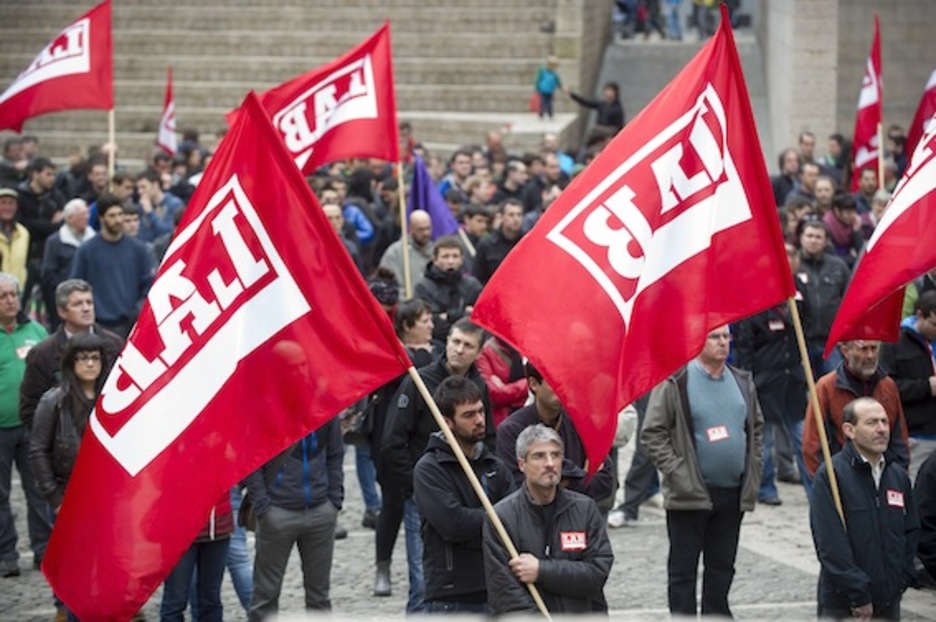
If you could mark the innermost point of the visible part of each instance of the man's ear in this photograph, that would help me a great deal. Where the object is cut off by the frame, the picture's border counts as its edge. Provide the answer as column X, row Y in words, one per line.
column 849, row 430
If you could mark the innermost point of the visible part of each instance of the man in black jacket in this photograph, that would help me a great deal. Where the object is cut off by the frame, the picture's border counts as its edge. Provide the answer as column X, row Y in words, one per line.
column 452, row 513
column 448, row 292
column 866, row 566
column 910, row 363
column 560, row 535
column 409, row 426
column 493, row 249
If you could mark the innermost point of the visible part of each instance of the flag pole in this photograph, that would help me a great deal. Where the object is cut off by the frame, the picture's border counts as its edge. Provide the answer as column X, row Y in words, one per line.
column 475, row 484
column 112, row 142
column 817, row 408
column 467, row 242
column 404, row 235
column 880, row 131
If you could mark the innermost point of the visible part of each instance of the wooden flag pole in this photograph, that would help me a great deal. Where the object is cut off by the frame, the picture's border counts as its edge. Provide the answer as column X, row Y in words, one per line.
column 404, row 236
column 112, row 143
column 475, row 484
column 880, row 130
column 817, row 409
column 467, row 242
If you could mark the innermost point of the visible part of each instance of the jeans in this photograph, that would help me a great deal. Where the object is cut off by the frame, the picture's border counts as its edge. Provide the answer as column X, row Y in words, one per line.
column 642, row 481
column 210, row 558
column 367, row 477
column 414, row 555
column 239, row 563
column 546, row 104
column 313, row 531
column 713, row 534
column 14, row 447
column 673, row 26
column 768, row 487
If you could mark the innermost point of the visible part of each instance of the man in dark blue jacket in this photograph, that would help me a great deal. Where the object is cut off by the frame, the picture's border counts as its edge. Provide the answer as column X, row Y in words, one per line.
column 866, row 563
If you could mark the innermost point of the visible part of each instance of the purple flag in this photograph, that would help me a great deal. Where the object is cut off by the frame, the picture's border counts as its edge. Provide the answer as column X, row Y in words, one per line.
column 425, row 195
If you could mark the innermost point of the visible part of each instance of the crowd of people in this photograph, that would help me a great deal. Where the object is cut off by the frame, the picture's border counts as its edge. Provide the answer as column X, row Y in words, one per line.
column 79, row 252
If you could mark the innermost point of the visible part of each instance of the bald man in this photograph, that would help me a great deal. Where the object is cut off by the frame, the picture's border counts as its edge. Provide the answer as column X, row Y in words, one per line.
column 420, row 250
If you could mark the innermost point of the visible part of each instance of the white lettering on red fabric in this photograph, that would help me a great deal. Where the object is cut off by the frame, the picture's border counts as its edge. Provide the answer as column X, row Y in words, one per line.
column 68, row 54
column 628, row 241
column 348, row 94
column 202, row 319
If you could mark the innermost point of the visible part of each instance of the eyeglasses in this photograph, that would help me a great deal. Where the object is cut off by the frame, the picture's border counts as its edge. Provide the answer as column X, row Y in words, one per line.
column 88, row 358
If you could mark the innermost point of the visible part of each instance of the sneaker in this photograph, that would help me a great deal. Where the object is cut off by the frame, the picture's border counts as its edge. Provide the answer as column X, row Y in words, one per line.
column 340, row 532
column 9, row 568
column 770, row 501
column 370, row 519
column 617, row 518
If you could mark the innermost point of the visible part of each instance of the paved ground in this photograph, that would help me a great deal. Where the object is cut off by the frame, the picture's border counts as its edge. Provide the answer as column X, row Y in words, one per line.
column 776, row 578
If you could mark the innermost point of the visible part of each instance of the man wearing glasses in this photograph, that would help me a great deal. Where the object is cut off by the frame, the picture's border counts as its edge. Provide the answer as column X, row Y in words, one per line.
column 703, row 432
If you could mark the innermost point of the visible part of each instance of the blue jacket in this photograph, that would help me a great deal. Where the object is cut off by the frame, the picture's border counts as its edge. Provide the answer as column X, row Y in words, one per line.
column 310, row 475
column 871, row 562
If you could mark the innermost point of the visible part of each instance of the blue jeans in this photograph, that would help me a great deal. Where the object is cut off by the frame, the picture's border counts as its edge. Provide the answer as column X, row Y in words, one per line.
column 414, row 556
column 14, row 447
column 768, row 487
column 210, row 558
column 367, row 477
column 673, row 26
column 546, row 104
column 239, row 563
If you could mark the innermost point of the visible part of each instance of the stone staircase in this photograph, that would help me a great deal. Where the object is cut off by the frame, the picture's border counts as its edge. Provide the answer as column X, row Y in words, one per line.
column 461, row 68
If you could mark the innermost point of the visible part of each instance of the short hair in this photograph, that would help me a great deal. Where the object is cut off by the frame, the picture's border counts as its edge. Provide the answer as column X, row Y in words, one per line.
column 508, row 202
column 468, row 327
column 106, row 202
column 514, row 165
column 408, row 313
column 537, row 433
column 6, row 277
column 844, row 200
column 472, row 210
column 446, row 241
column 452, row 195
column 811, row 223
column 460, row 152
column 66, row 288
column 614, row 86
column 805, row 134
column 121, row 177
column 811, row 165
column 73, row 206
column 881, row 195
column 149, row 175
column 850, row 412
column 40, row 164
column 926, row 304
column 454, row 391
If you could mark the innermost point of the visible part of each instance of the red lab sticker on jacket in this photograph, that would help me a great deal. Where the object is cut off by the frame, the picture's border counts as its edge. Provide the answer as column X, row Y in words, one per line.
column 717, row 433
column 895, row 498
column 573, row 540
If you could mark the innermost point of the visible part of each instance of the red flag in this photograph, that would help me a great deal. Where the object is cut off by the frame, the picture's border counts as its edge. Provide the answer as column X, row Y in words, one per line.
column 346, row 109
column 74, row 71
column 868, row 118
column 166, row 135
column 924, row 113
column 257, row 330
column 669, row 233
column 900, row 250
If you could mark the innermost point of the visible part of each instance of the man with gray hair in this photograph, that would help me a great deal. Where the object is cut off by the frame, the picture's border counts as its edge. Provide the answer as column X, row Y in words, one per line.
column 59, row 252
column 560, row 534
column 18, row 335
column 74, row 303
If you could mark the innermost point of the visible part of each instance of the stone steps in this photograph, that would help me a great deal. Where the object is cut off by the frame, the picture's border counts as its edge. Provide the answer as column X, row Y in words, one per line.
column 199, row 18
column 80, row 6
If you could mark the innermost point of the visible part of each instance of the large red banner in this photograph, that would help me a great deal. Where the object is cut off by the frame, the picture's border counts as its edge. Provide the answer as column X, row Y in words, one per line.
column 345, row 109
column 669, row 233
column 256, row 331
column 74, row 71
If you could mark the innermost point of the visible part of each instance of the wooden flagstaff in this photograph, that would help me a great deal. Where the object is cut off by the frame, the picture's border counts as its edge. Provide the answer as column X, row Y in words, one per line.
column 817, row 409
column 404, row 235
column 467, row 242
column 475, row 484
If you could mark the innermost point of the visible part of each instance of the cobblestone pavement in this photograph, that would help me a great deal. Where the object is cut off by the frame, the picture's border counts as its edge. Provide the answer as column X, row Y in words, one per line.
column 776, row 570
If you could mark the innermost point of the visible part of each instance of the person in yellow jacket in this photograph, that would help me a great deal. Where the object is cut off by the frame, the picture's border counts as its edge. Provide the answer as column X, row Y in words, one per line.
column 14, row 238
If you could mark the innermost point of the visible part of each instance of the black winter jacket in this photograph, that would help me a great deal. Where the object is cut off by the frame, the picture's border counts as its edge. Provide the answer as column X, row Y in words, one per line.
column 910, row 363
column 410, row 423
column 825, row 280
column 53, row 443
column 574, row 552
column 871, row 562
column 453, row 517
column 448, row 293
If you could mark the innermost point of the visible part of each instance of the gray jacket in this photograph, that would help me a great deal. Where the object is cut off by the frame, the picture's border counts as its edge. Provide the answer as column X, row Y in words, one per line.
column 669, row 439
